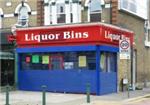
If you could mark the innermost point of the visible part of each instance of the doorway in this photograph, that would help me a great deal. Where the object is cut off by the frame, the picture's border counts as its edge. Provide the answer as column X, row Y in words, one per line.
column 7, row 72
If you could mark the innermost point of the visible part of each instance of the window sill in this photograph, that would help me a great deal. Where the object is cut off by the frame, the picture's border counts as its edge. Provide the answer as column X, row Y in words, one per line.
column 147, row 43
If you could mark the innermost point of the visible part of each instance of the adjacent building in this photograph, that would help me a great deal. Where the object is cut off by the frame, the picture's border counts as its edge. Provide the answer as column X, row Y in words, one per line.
column 13, row 14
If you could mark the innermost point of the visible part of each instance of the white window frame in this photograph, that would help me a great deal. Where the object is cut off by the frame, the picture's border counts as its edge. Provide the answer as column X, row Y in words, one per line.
column 20, row 20
column 87, row 3
column 59, row 13
column 147, row 34
column 18, row 9
column 50, row 12
column 1, row 13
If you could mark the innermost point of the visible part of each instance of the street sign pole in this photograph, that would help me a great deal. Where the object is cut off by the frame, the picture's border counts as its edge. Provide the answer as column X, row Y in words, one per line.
column 124, row 49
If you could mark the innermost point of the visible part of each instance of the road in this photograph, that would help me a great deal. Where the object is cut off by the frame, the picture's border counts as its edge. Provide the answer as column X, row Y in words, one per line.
column 142, row 101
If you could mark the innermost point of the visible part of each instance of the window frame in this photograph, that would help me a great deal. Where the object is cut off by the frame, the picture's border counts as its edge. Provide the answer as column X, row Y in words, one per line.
column 22, row 20
column 64, row 57
column 107, row 63
column 91, row 13
column 68, row 5
column 59, row 13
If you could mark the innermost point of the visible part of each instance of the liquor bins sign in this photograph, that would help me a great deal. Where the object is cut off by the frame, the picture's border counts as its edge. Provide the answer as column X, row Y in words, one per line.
column 124, row 49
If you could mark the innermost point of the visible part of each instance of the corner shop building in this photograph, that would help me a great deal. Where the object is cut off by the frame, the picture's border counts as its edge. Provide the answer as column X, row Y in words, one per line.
column 65, row 58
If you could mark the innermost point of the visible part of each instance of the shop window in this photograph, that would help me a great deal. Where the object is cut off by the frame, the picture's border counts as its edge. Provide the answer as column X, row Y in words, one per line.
column 95, row 11
column 23, row 16
column 59, row 61
column 108, row 62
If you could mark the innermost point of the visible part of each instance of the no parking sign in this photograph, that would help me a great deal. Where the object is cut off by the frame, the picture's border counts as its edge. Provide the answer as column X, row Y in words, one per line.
column 124, row 49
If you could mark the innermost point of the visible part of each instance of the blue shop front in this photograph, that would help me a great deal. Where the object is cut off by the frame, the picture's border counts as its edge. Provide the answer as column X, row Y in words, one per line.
column 66, row 58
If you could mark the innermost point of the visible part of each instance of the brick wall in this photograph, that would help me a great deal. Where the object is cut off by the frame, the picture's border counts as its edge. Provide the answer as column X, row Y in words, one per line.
column 40, row 12
column 9, row 21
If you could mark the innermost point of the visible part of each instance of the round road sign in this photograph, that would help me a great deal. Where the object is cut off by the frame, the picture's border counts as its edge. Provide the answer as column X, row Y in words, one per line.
column 124, row 44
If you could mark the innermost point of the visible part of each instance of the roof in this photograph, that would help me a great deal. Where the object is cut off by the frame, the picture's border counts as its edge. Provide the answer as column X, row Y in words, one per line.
column 76, row 25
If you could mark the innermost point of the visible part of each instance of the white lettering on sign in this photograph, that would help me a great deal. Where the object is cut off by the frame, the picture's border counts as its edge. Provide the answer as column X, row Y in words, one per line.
column 112, row 37
column 73, row 35
column 66, row 35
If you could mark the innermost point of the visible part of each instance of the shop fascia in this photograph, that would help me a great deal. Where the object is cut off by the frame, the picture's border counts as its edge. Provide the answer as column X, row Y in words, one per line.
column 117, row 37
column 58, row 36
column 70, row 35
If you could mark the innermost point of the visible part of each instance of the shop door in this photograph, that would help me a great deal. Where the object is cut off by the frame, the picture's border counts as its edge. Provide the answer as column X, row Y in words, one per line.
column 56, row 62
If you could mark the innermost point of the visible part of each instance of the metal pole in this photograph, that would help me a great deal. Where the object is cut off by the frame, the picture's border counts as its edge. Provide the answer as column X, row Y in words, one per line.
column 88, row 92
column 7, row 95
column 43, row 95
column 128, row 78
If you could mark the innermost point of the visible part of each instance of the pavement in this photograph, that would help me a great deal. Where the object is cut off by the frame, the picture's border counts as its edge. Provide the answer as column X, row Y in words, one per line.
column 35, row 98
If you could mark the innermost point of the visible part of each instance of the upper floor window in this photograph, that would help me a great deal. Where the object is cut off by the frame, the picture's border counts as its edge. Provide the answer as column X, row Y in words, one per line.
column 62, row 11
column 23, row 16
column 61, row 16
column 95, row 10
column 130, row 5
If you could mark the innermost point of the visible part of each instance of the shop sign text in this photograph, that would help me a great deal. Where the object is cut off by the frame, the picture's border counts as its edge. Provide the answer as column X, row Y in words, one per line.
column 58, row 36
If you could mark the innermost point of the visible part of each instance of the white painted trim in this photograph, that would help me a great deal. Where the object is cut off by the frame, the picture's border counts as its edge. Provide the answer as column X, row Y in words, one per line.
column 62, row 1
column 8, row 4
column 75, row 12
column 0, row 22
column 8, row 15
column 147, row 43
column 67, row 10
column 107, row 5
column 79, row 13
column 119, row 5
column 88, row 14
column 102, row 2
column 46, row 1
column 1, row 11
column 12, row 15
column 47, row 15
column 20, row 5
column 54, row 14
column 34, row 13
column 86, row 3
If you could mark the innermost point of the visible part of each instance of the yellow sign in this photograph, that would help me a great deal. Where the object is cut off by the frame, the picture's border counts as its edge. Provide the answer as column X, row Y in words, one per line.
column 45, row 59
column 102, row 61
column 82, row 61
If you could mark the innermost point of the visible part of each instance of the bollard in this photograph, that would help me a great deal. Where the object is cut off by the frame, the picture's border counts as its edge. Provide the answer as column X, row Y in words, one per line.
column 7, row 95
column 128, row 91
column 88, row 92
column 43, row 95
